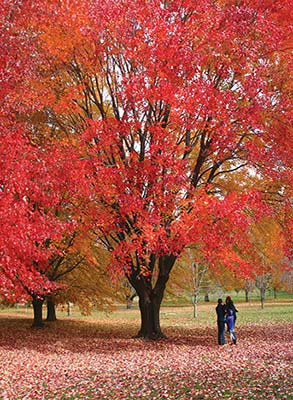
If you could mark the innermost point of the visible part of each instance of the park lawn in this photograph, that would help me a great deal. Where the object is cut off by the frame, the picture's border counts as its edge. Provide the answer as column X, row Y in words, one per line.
column 96, row 357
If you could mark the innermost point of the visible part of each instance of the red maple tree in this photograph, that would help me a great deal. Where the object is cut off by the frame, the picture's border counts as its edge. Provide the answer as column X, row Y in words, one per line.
column 164, row 101
column 34, row 178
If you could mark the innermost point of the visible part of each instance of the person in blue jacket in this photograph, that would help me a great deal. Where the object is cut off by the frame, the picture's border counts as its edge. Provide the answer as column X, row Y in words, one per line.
column 220, row 310
column 231, row 311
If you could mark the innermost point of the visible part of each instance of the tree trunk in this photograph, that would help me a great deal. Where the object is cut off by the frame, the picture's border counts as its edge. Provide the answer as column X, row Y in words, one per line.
column 195, row 303
column 262, row 296
column 246, row 295
column 150, row 298
column 38, row 312
column 51, row 309
column 150, row 319
column 69, row 309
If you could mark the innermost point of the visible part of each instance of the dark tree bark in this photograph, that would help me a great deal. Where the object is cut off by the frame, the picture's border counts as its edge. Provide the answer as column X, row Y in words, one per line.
column 150, row 298
column 69, row 309
column 262, row 296
column 51, row 309
column 246, row 295
column 262, row 284
column 38, row 312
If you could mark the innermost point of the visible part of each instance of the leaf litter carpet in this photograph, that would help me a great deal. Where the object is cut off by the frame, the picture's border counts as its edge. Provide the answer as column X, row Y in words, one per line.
column 78, row 360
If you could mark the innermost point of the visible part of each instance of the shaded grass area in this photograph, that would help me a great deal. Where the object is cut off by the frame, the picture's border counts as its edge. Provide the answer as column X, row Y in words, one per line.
column 96, row 358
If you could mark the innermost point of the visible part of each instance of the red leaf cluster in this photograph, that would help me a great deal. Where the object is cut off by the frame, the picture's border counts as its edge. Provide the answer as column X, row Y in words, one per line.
column 159, row 103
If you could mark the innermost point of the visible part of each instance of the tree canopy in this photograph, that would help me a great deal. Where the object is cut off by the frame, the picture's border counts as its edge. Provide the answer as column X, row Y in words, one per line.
column 169, row 121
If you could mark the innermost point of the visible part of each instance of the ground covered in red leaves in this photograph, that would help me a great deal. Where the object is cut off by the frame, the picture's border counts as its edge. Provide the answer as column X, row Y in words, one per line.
column 79, row 360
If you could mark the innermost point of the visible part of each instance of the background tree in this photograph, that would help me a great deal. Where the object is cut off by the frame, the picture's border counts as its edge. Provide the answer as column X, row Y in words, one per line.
column 197, row 278
column 269, row 242
column 34, row 180
column 287, row 281
column 249, row 286
column 84, row 282
column 198, row 272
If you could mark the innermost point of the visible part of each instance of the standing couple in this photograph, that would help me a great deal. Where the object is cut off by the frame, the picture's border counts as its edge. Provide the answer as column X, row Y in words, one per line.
column 226, row 314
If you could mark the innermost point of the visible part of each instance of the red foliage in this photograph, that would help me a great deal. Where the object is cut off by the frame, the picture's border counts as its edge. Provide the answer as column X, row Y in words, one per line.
column 34, row 180
column 173, row 97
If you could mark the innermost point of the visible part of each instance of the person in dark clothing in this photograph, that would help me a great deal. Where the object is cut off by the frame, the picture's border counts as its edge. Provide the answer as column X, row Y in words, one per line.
column 231, row 311
column 220, row 310
column 230, row 305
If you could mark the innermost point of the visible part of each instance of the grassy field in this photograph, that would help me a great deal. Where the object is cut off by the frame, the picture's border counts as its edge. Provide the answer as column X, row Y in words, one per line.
column 95, row 357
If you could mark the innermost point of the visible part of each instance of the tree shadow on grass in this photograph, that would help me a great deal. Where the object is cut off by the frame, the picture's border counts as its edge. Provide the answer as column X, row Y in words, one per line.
column 110, row 336
column 99, row 336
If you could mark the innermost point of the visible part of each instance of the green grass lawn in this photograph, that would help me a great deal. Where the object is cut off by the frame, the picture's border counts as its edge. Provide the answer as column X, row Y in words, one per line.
column 274, row 311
